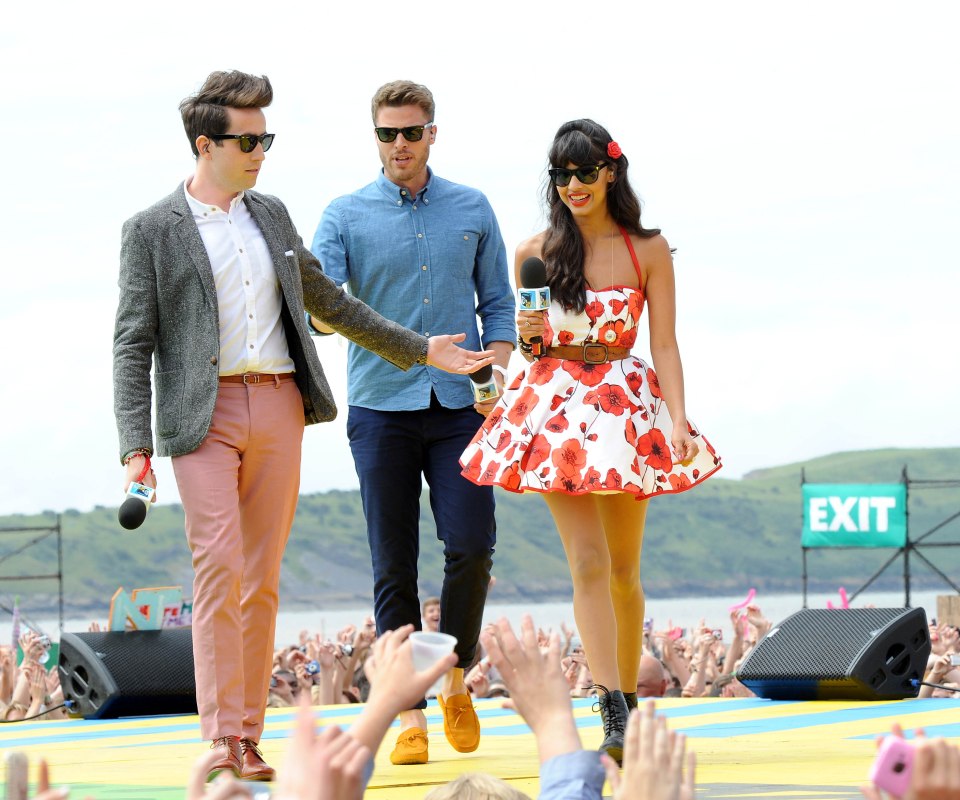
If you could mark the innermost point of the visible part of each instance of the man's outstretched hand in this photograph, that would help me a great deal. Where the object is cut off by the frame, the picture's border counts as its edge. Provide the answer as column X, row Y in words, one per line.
column 443, row 353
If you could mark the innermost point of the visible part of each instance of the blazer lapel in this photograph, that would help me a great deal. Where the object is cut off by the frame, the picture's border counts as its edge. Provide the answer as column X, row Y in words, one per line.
column 268, row 227
column 193, row 245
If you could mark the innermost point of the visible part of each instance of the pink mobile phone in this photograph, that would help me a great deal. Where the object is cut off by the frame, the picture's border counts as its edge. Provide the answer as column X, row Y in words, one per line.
column 893, row 765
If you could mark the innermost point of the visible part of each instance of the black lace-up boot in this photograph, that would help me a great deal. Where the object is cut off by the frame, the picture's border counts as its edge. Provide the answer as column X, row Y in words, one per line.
column 614, row 712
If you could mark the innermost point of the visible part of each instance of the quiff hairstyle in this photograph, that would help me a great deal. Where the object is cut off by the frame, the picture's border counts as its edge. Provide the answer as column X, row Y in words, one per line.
column 205, row 112
column 403, row 93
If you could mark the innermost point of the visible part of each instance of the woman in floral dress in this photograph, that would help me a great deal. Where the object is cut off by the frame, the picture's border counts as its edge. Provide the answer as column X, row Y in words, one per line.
column 587, row 423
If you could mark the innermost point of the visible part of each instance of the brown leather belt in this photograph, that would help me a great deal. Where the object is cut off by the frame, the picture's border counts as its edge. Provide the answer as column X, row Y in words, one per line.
column 589, row 352
column 253, row 378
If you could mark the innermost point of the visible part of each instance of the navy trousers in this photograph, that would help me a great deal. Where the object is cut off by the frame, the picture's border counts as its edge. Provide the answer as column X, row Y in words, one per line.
column 393, row 452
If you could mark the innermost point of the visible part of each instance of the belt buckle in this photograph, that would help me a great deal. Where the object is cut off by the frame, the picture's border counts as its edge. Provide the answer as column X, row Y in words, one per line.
column 253, row 378
column 595, row 345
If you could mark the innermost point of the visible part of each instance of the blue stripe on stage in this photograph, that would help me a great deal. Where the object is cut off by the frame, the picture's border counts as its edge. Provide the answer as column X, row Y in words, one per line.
column 280, row 722
column 883, row 710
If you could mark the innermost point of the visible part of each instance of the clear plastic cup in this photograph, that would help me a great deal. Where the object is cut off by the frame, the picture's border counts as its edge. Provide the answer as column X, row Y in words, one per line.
column 429, row 647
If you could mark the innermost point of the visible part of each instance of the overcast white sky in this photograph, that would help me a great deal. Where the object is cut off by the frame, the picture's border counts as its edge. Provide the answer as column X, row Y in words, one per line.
column 803, row 158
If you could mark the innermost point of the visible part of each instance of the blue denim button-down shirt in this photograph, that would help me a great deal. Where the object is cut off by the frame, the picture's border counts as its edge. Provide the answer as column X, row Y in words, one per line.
column 434, row 263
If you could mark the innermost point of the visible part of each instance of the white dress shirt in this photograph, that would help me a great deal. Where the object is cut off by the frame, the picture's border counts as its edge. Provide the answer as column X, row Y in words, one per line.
column 252, row 338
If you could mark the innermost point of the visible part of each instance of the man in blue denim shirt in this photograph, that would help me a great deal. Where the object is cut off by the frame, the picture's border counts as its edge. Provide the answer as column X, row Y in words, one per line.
column 428, row 254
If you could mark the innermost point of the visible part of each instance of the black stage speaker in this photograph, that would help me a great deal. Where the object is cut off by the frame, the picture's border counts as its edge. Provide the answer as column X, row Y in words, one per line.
column 841, row 654
column 128, row 674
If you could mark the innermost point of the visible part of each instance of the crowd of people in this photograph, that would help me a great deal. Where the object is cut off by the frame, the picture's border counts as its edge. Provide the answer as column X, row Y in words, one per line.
column 31, row 688
column 676, row 662
column 539, row 671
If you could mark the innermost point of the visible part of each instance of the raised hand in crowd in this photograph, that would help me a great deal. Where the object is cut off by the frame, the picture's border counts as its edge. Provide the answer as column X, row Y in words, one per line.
column 571, row 671
column 478, row 680
column 394, row 684
column 949, row 638
column 345, row 635
column 538, row 691
column 32, row 647
column 940, row 670
column 760, row 623
column 283, row 686
column 331, row 766
column 22, row 692
column 736, row 650
column 329, row 675
column 672, row 655
column 540, row 694
column 653, row 761
column 568, row 634
column 582, row 679
column 935, row 774
column 223, row 787
column 17, row 766
column 543, row 638
column 8, row 673
column 304, row 681
column 702, row 664
column 38, row 688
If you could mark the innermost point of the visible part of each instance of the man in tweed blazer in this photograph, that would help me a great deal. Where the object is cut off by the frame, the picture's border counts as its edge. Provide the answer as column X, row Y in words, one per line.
column 213, row 280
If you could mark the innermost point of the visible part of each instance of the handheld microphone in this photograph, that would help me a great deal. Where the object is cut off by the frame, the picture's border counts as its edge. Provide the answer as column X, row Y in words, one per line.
column 484, row 385
column 133, row 510
column 535, row 294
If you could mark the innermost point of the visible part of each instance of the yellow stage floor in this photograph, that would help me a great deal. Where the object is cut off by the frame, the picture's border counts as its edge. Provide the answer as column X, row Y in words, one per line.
column 745, row 748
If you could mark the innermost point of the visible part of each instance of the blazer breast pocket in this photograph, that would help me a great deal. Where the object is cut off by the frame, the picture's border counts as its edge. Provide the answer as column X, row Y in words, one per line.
column 293, row 262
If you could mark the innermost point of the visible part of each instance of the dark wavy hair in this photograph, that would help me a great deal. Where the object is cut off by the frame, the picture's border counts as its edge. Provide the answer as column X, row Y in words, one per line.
column 583, row 142
column 205, row 112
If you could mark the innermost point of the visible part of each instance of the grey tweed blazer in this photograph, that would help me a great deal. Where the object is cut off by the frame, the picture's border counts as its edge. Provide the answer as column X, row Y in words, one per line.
column 168, row 314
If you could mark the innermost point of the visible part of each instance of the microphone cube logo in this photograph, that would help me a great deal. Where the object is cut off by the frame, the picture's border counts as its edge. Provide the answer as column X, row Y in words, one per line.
column 140, row 491
column 534, row 299
column 487, row 391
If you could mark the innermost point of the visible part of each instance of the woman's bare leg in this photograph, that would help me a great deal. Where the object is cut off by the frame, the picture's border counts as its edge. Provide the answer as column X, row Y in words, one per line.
column 580, row 527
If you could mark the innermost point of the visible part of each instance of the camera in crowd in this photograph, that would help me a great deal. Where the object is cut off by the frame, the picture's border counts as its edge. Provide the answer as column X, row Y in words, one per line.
column 44, row 641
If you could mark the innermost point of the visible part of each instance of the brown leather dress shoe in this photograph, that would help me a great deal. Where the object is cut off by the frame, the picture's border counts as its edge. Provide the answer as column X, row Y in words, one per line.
column 230, row 760
column 254, row 767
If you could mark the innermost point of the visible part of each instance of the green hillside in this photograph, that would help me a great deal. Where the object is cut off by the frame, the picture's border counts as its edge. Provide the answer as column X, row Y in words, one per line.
column 719, row 538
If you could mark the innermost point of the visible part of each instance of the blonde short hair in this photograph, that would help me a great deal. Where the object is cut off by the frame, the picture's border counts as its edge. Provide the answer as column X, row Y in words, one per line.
column 403, row 93
column 476, row 786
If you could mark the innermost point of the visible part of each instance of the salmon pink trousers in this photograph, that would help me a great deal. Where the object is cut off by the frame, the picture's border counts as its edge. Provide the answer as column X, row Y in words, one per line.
column 239, row 490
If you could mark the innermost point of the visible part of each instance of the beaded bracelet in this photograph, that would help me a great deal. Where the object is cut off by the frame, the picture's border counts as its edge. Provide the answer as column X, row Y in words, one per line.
column 525, row 347
column 134, row 454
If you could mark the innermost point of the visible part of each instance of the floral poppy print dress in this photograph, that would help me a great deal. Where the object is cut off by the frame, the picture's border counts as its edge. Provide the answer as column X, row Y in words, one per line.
column 574, row 427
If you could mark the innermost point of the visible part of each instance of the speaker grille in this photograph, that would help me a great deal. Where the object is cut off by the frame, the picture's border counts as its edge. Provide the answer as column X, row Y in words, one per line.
column 857, row 653
column 135, row 673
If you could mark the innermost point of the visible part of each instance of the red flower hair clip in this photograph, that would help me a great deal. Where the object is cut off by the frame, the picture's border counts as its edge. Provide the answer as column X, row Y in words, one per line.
column 614, row 151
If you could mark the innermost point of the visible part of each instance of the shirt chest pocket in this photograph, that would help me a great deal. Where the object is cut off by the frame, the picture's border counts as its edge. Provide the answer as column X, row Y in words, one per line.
column 453, row 251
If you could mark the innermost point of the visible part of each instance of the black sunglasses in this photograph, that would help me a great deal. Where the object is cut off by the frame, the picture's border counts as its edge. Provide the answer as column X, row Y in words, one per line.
column 561, row 176
column 413, row 133
column 248, row 141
